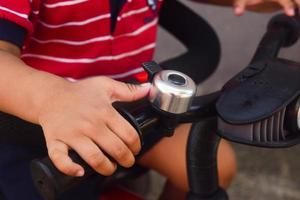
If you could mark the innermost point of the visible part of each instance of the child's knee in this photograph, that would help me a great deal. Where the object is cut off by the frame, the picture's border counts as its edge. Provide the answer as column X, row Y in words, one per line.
column 227, row 168
column 227, row 165
column 169, row 158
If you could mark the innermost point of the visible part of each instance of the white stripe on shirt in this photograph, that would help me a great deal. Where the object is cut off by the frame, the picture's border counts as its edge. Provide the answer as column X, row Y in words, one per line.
column 93, row 19
column 14, row 12
column 133, row 12
column 97, row 39
column 75, row 43
column 76, row 23
column 64, row 3
column 114, row 76
column 91, row 60
column 126, row 74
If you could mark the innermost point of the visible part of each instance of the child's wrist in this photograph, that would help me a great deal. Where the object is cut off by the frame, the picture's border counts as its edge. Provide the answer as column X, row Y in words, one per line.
column 52, row 87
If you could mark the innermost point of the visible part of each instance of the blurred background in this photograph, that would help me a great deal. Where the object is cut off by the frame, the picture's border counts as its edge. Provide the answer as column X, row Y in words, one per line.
column 263, row 173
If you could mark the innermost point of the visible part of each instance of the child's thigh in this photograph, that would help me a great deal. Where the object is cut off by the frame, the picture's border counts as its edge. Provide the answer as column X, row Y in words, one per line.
column 169, row 158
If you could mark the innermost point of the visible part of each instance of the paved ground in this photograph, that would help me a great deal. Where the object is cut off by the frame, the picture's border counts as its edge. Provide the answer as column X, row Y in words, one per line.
column 263, row 174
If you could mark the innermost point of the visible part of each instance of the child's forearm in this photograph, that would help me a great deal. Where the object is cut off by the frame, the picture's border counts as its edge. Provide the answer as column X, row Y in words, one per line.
column 23, row 90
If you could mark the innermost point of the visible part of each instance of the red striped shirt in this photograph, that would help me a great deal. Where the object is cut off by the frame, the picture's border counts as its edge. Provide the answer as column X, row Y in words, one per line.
column 73, row 38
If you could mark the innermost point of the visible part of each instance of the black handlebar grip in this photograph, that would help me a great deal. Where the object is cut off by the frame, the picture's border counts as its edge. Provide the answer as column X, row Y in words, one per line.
column 290, row 24
column 50, row 181
column 283, row 31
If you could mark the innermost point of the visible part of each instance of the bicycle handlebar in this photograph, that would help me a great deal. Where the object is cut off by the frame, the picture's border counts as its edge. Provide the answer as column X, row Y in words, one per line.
column 50, row 182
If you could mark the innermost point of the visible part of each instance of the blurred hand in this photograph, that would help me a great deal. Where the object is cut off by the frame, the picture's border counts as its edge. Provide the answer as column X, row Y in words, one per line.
column 80, row 116
column 288, row 6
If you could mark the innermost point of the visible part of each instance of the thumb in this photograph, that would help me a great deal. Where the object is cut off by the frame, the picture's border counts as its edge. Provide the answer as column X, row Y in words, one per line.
column 129, row 92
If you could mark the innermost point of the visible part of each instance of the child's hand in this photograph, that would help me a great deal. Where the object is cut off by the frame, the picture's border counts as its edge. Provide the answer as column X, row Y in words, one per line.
column 287, row 5
column 81, row 117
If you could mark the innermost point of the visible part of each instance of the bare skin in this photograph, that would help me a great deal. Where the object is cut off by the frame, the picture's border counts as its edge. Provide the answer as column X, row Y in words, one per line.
column 91, row 126
column 158, row 158
column 288, row 6
column 240, row 6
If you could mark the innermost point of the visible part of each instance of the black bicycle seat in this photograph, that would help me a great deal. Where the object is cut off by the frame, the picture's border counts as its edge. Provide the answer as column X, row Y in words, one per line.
column 254, row 107
column 264, row 89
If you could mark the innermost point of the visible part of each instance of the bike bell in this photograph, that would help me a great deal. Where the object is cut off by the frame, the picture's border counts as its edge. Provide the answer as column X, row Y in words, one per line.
column 172, row 91
column 171, row 94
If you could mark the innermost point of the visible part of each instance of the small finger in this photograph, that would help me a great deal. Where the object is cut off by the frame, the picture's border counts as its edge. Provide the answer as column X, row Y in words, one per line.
column 298, row 5
column 288, row 7
column 239, row 7
column 124, row 131
column 92, row 155
column 58, row 153
column 115, row 147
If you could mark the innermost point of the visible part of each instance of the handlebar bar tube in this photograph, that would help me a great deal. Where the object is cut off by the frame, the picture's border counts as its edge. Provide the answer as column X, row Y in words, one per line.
column 202, row 148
